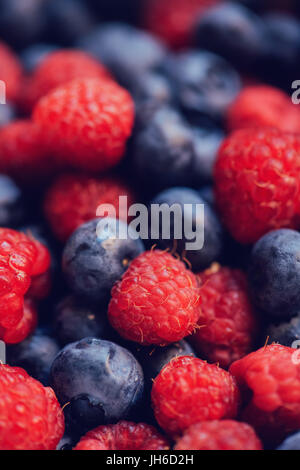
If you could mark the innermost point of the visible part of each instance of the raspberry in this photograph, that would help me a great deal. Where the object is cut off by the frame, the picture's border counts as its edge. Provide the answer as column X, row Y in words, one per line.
column 219, row 435
column 21, row 258
column 157, row 300
column 188, row 391
column 31, row 418
column 24, row 328
column 73, row 200
column 173, row 21
column 22, row 154
column 263, row 106
column 10, row 72
column 227, row 322
column 58, row 68
column 269, row 380
column 123, row 436
column 257, row 182
column 86, row 122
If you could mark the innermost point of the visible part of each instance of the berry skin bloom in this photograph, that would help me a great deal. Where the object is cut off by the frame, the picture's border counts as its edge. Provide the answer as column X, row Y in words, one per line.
column 86, row 122
column 156, row 301
column 10, row 72
column 269, row 380
column 227, row 323
column 58, row 68
column 189, row 390
column 123, row 436
column 257, row 182
column 219, row 435
column 21, row 259
column 24, row 328
column 73, row 200
column 263, row 106
column 31, row 418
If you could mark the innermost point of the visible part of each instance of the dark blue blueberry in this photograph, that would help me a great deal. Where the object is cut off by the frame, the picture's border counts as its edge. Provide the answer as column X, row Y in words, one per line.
column 125, row 50
column 35, row 54
column 207, row 142
column 291, row 443
column 204, row 84
column 207, row 194
column 12, row 206
column 101, row 381
column 274, row 273
column 35, row 355
column 7, row 114
column 213, row 234
column 121, row 10
column 284, row 333
column 66, row 443
column 93, row 260
column 75, row 321
column 67, row 21
column 233, row 32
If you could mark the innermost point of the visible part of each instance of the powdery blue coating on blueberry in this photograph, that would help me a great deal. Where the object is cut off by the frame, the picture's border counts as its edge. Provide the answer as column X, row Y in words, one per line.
column 291, row 443
column 284, row 333
column 274, row 273
column 92, row 265
column 35, row 54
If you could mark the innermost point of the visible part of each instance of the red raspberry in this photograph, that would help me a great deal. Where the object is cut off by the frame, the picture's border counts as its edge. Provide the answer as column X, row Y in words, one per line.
column 173, row 21
column 227, row 322
column 22, row 154
column 123, row 436
column 57, row 69
column 157, row 300
column 270, row 384
column 264, row 106
column 24, row 328
column 189, row 390
column 40, row 286
column 31, row 418
column 21, row 258
column 73, row 199
column 257, row 182
column 219, row 435
column 86, row 122
column 10, row 72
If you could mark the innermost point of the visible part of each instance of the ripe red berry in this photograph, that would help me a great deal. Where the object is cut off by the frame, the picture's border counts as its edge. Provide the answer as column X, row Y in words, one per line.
column 189, row 390
column 21, row 258
column 31, row 418
column 219, row 435
column 86, row 122
column 24, row 328
column 123, row 436
column 10, row 72
column 73, row 200
column 22, row 155
column 257, row 182
column 58, row 68
column 157, row 300
column 269, row 380
column 227, row 322
column 173, row 21
column 263, row 106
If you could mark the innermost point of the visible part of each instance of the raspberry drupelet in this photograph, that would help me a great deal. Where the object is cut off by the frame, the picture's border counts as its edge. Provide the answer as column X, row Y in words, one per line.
column 269, row 380
column 10, row 72
column 123, row 436
column 24, row 328
column 228, row 326
column 157, row 300
column 189, row 390
column 257, row 182
column 73, row 199
column 86, row 123
column 31, row 418
column 219, row 435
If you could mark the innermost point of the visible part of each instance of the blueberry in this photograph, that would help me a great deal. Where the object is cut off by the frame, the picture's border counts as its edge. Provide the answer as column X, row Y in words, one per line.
column 234, row 32
column 284, row 333
column 274, row 273
column 35, row 355
column 125, row 50
column 66, row 443
column 207, row 142
column 204, row 84
column 75, row 321
column 7, row 114
column 291, row 443
column 93, row 260
column 101, row 381
column 12, row 206
column 33, row 55
column 207, row 194
column 213, row 236
column 121, row 10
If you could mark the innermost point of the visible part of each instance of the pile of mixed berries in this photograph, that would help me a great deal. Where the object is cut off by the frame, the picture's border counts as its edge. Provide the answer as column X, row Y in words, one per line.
column 136, row 344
